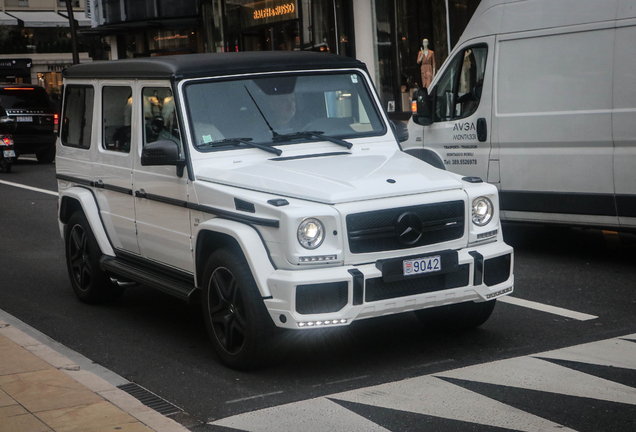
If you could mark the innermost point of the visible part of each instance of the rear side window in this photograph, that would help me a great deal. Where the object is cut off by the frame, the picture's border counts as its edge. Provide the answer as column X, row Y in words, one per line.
column 116, row 118
column 77, row 122
column 24, row 98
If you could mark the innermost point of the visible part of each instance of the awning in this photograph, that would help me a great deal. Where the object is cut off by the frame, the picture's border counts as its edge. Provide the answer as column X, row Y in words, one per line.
column 40, row 19
column 80, row 17
column 7, row 20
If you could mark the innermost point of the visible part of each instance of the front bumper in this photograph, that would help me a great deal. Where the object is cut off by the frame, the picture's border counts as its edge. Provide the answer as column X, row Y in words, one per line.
column 479, row 279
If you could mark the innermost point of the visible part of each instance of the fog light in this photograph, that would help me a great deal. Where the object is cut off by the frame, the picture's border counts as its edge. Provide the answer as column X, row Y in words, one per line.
column 319, row 258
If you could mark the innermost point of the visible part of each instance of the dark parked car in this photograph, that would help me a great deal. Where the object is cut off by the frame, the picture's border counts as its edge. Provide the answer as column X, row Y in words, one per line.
column 36, row 119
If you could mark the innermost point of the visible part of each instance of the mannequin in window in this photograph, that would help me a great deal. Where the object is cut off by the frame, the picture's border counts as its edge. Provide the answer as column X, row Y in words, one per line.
column 426, row 60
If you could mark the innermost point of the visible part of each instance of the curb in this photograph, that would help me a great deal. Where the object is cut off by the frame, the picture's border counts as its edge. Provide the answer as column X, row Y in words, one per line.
column 100, row 386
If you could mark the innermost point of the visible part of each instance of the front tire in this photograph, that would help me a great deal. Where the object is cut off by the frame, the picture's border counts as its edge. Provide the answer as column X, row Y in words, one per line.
column 90, row 283
column 236, row 319
column 457, row 317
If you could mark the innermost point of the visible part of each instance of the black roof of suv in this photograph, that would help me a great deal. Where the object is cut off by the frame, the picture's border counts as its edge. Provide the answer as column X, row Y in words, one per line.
column 206, row 65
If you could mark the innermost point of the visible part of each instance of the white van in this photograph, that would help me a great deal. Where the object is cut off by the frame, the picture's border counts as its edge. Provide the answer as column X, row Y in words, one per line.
column 539, row 98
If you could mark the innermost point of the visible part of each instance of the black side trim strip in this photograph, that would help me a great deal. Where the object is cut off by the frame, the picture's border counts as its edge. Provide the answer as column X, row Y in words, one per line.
column 162, row 199
column 626, row 205
column 235, row 217
column 119, row 189
column 284, row 158
column 81, row 181
column 358, row 286
column 478, row 274
column 559, row 202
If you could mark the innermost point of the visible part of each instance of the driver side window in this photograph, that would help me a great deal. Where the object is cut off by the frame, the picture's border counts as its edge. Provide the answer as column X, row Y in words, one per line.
column 159, row 115
column 459, row 91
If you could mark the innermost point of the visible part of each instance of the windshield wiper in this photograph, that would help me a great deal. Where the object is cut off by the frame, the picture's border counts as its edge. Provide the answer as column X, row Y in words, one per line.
column 312, row 134
column 247, row 141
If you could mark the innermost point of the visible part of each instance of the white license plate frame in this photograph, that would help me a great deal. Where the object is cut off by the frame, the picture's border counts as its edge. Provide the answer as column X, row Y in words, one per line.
column 422, row 265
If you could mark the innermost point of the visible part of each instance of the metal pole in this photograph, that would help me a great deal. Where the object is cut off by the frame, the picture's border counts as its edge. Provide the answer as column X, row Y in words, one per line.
column 71, row 21
column 448, row 41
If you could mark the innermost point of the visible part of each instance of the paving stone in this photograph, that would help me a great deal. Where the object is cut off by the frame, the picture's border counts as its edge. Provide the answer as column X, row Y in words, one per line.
column 93, row 417
column 15, row 359
column 48, row 390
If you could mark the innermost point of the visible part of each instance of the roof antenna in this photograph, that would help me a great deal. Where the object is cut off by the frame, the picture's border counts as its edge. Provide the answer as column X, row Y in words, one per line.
column 274, row 133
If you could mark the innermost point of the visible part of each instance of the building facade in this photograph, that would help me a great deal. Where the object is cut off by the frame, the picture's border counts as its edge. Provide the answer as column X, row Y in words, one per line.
column 35, row 43
column 386, row 34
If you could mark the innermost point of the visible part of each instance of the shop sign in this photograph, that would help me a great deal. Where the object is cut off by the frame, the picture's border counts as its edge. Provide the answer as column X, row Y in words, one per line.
column 17, row 63
column 268, row 11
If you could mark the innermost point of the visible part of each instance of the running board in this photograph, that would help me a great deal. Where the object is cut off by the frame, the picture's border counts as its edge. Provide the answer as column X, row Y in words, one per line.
column 174, row 286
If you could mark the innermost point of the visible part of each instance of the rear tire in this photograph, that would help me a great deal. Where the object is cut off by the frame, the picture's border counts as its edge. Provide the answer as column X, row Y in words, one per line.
column 90, row 283
column 47, row 155
column 457, row 317
column 5, row 166
column 237, row 321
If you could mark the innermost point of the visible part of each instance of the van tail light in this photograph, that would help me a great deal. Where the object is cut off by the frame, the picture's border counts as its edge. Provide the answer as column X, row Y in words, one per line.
column 56, row 122
column 6, row 141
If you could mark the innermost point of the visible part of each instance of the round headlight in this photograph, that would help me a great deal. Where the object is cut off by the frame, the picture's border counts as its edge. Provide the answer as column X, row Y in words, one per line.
column 311, row 233
column 482, row 211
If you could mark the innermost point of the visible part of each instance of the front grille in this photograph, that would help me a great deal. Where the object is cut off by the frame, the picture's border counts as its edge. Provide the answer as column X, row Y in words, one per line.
column 383, row 230
column 377, row 289
column 497, row 270
column 321, row 298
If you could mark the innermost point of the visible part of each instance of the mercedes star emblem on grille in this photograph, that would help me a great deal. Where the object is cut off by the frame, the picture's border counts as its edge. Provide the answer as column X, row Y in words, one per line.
column 408, row 228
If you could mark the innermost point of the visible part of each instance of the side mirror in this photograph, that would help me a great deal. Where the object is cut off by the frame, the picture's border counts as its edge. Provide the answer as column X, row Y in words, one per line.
column 401, row 131
column 8, row 124
column 421, row 107
column 162, row 153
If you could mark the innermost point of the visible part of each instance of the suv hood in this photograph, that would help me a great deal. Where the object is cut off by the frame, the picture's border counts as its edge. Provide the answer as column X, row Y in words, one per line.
column 334, row 179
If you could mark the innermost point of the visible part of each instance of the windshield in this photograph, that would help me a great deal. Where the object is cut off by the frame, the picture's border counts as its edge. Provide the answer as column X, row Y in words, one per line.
column 273, row 110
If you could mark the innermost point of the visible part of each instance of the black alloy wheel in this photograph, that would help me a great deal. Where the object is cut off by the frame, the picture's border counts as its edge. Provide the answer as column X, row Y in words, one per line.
column 79, row 254
column 227, row 310
column 90, row 283
column 5, row 166
column 238, row 323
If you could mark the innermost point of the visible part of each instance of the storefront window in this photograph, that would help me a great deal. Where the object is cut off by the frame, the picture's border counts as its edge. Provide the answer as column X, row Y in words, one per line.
column 401, row 26
column 172, row 41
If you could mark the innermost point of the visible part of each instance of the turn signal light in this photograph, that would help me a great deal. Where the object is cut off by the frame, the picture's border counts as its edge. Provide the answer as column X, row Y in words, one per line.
column 414, row 107
column 56, row 119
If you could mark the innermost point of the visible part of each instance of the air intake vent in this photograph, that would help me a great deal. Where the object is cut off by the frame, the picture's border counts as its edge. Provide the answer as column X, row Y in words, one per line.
column 244, row 206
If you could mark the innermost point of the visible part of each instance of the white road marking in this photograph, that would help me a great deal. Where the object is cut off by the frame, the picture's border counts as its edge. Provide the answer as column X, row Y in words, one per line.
column 536, row 374
column 254, row 397
column 18, row 185
column 546, row 308
column 314, row 415
column 613, row 352
column 28, row 158
column 432, row 396
column 342, row 381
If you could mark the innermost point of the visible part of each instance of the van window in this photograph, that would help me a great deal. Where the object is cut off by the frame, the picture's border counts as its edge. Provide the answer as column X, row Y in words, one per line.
column 159, row 115
column 77, row 122
column 459, row 89
column 116, row 118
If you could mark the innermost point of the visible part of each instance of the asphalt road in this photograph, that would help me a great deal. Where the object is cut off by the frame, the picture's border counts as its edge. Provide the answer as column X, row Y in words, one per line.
column 160, row 343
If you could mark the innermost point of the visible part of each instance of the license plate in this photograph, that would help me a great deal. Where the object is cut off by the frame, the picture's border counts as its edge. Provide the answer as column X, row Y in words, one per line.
column 8, row 153
column 422, row 265
column 25, row 119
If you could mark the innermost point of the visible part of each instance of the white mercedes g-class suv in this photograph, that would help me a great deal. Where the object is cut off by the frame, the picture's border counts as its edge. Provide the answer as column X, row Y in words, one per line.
column 270, row 187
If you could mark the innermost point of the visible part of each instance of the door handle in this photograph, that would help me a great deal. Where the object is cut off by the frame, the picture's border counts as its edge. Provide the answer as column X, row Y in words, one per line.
column 482, row 130
column 141, row 194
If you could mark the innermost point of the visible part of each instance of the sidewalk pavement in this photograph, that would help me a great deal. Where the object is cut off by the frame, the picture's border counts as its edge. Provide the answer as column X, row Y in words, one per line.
column 42, row 390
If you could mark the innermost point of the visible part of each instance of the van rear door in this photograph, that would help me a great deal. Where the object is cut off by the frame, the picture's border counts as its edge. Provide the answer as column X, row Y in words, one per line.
column 624, row 122
column 462, row 96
